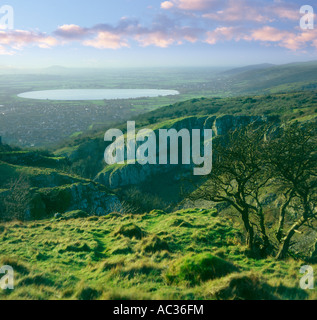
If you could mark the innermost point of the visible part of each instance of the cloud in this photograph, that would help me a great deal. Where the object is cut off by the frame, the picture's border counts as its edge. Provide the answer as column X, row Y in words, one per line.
column 156, row 38
column 163, row 33
column 260, row 11
column 224, row 34
column 262, row 21
column 18, row 39
column 283, row 38
column 5, row 52
column 239, row 10
column 191, row 5
column 208, row 21
column 106, row 40
column 70, row 31
column 167, row 5
column 267, row 35
column 286, row 11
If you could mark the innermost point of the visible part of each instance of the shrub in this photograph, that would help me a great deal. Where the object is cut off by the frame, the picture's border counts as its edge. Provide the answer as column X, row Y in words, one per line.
column 76, row 214
column 87, row 293
column 198, row 268
column 243, row 287
column 153, row 244
column 130, row 231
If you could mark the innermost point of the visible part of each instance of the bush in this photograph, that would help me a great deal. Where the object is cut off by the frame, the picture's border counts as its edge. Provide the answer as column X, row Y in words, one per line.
column 130, row 231
column 76, row 214
column 153, row 244
column 199, row 268
column 87, row 293
column 243, row 287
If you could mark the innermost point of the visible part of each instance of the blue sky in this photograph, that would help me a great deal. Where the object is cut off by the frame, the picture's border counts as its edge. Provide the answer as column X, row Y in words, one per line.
column 134, row 33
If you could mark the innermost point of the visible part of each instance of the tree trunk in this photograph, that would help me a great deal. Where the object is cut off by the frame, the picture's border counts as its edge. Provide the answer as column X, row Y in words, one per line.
column 283, row 251
column 249, row 229
column 265, row 238
column 280, row 230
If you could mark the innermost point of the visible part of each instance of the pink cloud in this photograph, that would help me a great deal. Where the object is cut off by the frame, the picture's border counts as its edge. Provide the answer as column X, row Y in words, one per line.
column 18, row 39
column 286, row 12
column 239, row 10
column 234, row 20
column 223, row 33
column 268, row 35
column 287, row 39
column 167, row 5
column 163, row 33
column 156, row 38
column 107, row 40
column 70, row 31
column 194, row 5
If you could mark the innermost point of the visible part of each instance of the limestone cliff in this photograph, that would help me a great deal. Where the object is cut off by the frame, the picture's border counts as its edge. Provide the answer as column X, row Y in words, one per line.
column 117, row 176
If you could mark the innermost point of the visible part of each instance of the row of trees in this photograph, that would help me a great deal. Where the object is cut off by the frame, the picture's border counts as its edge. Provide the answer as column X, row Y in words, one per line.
column 256, row 160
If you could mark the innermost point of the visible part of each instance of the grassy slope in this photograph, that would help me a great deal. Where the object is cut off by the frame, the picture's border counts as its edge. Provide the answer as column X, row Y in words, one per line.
column 283, row 78
column 132, row 257
column 38, row 177
column 84, row 258
column 289, row 106
column 293, row 105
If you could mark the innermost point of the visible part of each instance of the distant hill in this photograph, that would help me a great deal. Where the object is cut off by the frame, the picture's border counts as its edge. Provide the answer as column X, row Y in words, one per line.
column 55, row 69
column 247, row 68
column 282, row 78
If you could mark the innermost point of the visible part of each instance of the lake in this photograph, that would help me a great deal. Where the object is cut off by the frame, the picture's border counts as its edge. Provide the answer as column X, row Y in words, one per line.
column 96, row 94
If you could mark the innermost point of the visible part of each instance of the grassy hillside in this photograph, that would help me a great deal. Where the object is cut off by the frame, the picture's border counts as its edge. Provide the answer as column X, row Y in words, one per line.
column 289, row 106
column 77, row 250
column 301, row 106
column 191, row 254
column 282, row 78
column 36, row 186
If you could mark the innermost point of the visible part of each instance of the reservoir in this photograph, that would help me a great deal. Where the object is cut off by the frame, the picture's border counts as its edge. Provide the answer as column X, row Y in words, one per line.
column 96, row 94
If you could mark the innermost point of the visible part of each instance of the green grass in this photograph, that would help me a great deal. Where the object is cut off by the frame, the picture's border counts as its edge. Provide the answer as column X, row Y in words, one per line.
column 39, row 177
column 188, row 254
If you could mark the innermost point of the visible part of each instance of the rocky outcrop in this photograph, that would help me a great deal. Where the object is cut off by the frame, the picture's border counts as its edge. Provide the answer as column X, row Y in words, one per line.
column 117, row 176
column 90, row 197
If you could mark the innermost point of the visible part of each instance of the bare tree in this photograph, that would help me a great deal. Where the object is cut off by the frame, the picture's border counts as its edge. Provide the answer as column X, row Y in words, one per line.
column 293, row 158
column 239, row 175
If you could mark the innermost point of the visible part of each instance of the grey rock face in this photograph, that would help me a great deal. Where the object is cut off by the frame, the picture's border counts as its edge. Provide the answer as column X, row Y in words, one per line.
column 88, row 197
column 132, row 174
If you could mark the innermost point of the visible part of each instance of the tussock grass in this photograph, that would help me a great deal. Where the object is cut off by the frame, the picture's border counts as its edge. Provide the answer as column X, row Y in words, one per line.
column 153, row 244
column 142, row 257
column 198, row 268
column 131, row 231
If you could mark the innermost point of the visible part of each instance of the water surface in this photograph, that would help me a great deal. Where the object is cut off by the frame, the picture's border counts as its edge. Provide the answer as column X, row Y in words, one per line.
column 96, row 94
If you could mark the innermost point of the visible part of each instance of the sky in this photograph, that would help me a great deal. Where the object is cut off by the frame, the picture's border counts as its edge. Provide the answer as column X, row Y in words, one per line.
column 154, row 33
